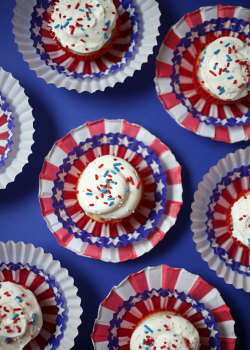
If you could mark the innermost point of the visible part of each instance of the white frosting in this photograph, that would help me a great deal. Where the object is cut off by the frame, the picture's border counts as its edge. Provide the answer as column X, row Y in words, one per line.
column 20, row 316
column 228, row 54
column 84, row 26
column 164, row 331
column 109, row 187
column 240, row 219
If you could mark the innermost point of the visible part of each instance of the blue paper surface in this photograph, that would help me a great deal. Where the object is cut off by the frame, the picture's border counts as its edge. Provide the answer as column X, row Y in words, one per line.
column 56, row 111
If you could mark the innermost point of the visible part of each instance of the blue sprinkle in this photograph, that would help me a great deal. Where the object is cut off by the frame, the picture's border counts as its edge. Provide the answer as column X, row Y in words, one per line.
column 69, row 19
column 104, row 191
column 113, row 182
column 214, row 67
column 202, row 58
column 97, row 5
column 144, row 341
column 227, row 71
column 231, row 77
column 248, row 239
column 227, row 44
column 89, row 10
column 107, row 23
column 221, row 92
column 19, row 299
column 88, row 19
column 229, row 59
column 115, row 166
column 111, row 199
column 89, row 194
column 246, row 85
column 158, row 330
column 65, row 25
column 146, row 332
column 0, row 286
column 14, row 317
column 110, row 203
column 217, row 51
column 58, row 25
column 149, row 329
column 126, row 190
column 113, row 172
column 105, row 36
column 222, row 88
column 6, row 339
column 106, row 173
column 174, row 335
column 34, row 319
column 86, row 35
column 81, row 10
column 82, row 29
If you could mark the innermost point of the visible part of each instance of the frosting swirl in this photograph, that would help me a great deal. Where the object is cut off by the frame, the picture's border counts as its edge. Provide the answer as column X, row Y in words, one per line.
column 224, row 68
column 83, row 26
column 20, row 316
column 110, row 187
column 240, row 219
column 166, row 331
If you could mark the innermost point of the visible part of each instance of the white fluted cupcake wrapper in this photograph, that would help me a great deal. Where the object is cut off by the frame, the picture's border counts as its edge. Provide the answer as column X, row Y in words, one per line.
column 29, row 256
column 219, row 188
column 149, row 23
column 23, row 132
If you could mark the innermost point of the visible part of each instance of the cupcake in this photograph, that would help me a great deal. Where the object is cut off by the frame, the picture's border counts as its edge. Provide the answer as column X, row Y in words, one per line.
column 202, row 73
column 223, row 70
column 86, row 28
column 16, row 128
column 165, row 330
column 20, row 316
column 39, row 306
column 103, row 190
column 221, row 220
column 86, row 45
column 163, row 308
column 109, row 188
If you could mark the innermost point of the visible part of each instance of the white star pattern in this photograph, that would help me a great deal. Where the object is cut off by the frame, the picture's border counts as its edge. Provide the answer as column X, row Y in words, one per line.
column 114, row 332
column 212, row 205
column 40, row 11
column 124, row 141
column 137, row 300
column 115, row 240
column 105, row 139
column 234, row 176
column 40, row 47
column 121, row 313
column 87, row 146
column 72, row 158
column 62, row 176
column 143, row 151
column 36, row 30
column 157, row 207
column 148, row 224
column 155, row 167
column 159, row 187
column 220, row 188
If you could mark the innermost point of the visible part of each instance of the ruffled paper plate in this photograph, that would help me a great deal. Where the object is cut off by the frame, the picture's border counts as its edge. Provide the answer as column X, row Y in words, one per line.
column 53, row 288
column 19, row 139
column 174, row 74
column 156, row 165
column 212, row 236
column 163, row 288
column 6, row 129
column 140, row 21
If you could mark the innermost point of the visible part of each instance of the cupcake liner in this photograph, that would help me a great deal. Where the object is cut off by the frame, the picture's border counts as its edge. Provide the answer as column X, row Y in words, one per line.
column 132, row 48
column 219, row 188
column 6, row 129
column 176, row 64
column 163, row 288
column 21, row 137
column 110, row 241
column 53, row 288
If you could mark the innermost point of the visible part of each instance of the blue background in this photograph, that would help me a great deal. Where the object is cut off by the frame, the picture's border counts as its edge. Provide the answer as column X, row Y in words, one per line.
column 57, row 111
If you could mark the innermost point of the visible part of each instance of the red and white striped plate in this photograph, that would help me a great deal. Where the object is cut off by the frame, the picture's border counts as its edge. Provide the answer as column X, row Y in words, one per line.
column 55, row 160
column 174, row 74
column 163, row 288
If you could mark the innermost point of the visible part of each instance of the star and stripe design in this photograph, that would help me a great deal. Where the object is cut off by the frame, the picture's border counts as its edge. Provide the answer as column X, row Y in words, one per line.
column 163, row 288
column 119, row 242
column 6, row 130
column 175, row 67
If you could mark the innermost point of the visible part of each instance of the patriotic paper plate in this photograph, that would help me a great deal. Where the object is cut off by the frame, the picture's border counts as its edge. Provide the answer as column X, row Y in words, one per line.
column 163, row 288
column 53, row 288
column 176, row 65
column 219, row 188
column 139, row 19
column 16, row 128
column 134, row 236
column 6, row 129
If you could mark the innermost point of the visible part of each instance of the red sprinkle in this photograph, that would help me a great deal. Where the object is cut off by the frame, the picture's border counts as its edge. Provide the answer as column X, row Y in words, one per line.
column 240, row 86
column 77, row 5
column 138, row 184
column 213, row 73
column 100, row 166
